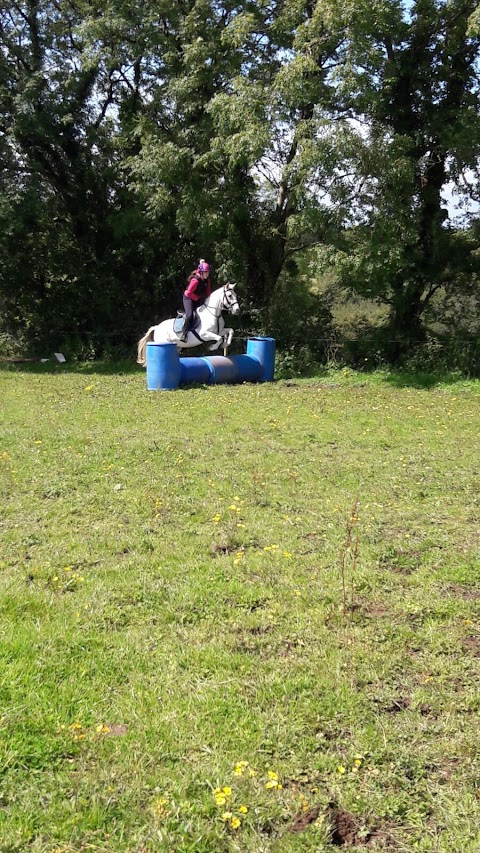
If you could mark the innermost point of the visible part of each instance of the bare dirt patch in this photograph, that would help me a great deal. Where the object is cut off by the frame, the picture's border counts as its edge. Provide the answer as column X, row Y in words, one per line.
column 345, row 829
column 116, row 729
column 223, row 550
column 258, row 630
column 376, row 611
column 303, row 819
column 468, row 593
column 398, row 570
column 401, row 703
column 472, row 645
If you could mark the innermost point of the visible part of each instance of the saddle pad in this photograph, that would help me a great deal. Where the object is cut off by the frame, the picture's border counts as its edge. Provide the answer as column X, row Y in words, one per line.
column 179, row 321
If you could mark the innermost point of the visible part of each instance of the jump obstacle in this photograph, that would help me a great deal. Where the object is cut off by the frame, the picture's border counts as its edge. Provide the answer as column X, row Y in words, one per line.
column 166, row 371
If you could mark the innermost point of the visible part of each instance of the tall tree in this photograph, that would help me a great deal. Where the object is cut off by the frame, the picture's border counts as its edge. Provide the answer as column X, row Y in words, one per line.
column 68, row 104
column 413, row 83
column 249, row 157
column 137, row 136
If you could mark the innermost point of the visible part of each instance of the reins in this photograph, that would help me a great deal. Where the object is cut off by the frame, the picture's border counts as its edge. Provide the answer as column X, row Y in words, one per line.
column 222, row 307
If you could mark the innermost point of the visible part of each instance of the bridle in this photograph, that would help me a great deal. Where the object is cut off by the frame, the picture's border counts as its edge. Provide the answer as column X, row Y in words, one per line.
column 224, row 306
column 229, row 298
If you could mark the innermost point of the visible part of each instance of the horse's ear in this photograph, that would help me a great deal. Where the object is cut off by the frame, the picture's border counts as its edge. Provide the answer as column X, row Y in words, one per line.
column 231, row 285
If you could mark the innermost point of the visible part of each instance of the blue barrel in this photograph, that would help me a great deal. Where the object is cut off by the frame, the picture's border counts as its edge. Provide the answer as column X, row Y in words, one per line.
column 163, row 367
column 195, row 371
column 248, row 369
column 224, row 369
column 263, row 349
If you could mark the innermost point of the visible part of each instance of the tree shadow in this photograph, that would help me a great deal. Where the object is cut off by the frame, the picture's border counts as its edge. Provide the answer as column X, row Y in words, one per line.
column 422, row 380
column 85, row 368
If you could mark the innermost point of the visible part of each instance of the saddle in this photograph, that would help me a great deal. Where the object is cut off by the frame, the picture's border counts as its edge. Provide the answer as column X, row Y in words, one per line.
column 179, row 321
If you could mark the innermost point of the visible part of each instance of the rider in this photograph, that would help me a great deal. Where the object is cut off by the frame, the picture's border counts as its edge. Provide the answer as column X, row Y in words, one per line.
column 197, row 290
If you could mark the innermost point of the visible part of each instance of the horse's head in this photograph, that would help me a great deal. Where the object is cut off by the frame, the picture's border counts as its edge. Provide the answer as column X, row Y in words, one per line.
column 230, row 301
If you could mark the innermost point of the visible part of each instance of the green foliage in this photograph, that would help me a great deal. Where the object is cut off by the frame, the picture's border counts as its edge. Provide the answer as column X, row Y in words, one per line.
column 137, row 138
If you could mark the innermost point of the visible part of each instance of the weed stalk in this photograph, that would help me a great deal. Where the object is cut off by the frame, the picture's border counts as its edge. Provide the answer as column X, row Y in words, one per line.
column 349, row 549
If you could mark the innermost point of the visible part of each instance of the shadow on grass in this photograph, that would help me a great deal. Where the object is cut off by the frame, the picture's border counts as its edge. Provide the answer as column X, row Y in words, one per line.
column 85, row 368
column 421, row 380
column 126, row 367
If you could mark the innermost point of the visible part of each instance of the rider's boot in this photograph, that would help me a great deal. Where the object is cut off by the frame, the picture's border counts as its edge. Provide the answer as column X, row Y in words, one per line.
column 184, row 333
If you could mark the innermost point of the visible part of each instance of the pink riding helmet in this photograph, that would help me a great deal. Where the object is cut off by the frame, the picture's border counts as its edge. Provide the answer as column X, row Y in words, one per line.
column 203, row 267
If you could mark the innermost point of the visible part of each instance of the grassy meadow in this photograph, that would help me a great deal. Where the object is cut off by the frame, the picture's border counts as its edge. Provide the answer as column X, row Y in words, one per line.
column 239, row 618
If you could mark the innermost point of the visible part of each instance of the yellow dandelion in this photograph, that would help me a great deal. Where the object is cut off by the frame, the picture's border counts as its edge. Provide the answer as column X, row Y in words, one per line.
column 235, row 822
column 341, row 769
column 272, row 775
column 242, row 809
column 227, row 816
column 227, row 791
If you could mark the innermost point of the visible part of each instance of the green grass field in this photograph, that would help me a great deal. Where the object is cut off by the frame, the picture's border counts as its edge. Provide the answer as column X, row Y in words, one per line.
column 239, row 618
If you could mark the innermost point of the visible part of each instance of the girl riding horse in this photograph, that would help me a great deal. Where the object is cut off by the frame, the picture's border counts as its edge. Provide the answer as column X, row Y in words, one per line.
column 197, row 290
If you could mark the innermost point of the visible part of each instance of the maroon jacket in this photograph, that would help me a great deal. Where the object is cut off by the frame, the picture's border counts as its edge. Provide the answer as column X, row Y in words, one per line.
column 198, row 288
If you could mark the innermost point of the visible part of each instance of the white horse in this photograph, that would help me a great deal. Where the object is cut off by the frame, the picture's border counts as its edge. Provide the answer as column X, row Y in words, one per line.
column 211, row 325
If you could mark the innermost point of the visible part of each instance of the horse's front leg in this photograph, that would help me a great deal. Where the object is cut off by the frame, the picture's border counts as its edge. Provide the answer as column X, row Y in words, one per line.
column 211, row 336
column 227, row 337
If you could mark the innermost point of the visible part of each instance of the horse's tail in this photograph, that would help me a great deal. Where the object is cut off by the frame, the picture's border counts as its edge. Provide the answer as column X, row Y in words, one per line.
column 141, row 355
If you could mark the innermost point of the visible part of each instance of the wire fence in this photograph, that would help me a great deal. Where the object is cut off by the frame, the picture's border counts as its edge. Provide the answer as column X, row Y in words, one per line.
column 432, row 352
